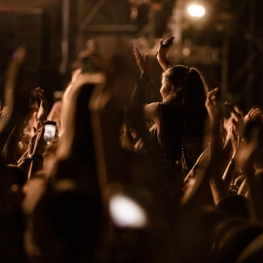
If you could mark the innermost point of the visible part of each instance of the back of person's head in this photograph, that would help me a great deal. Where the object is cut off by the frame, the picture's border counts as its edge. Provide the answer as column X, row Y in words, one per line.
column 11, row 189
column 16, row 175
column 176, row 75
column 76, row 218
column 231, row 238
column 67, row 222
column 189, row 85
column 253, row 252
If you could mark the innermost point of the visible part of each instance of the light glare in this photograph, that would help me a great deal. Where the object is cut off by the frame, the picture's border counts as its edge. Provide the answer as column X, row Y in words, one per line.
column 126, row 213
column 196, row 10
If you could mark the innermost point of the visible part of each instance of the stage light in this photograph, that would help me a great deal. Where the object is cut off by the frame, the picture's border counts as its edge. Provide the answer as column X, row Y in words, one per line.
column 196, row 10
column 125, row 212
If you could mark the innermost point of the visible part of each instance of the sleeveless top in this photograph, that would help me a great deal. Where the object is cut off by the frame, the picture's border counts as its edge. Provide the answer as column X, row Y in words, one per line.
column 181, row 133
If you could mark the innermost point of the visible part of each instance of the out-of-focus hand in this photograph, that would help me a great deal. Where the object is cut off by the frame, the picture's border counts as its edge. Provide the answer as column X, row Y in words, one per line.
column 211, row 105
column 253, row 114
column 14, row 84
column 17, row 96
column 37, row 142
column 4, row 111
column 142, row 63
column 248, row 152
column 75, row 74
column 237, row 118
column 43, row 108
column 233, row 136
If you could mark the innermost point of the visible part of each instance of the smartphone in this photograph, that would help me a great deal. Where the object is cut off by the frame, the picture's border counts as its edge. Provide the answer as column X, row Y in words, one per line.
column 168, row 41
column 50, row 128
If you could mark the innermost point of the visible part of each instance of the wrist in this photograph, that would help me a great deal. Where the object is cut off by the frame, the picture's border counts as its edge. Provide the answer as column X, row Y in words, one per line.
column 144, row 76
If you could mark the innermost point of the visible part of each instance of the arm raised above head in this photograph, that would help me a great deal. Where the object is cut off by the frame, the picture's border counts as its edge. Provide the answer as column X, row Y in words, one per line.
column 162, row 53
column 16, row 97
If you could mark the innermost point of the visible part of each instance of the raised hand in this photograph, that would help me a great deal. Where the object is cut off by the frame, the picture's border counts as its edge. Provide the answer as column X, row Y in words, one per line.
column 211, row 105
column 161, row 54
column 143, row 63
column 234, row 136
column 14, row 83
column 43, row 108
column 16, row 97
column 253, row 114
column 163, row 47
column 237, row 118
column 250, row 158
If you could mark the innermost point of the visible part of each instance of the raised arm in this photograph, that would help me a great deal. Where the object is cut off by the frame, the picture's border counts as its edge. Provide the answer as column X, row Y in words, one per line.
column 43, row 107
column 15, row 98
column 215, row 168
column 36, row 152
column 138, row 95
column 195, row 195
column 234, row 139
column 249, row 156
column 138, row 105
column 161, row 54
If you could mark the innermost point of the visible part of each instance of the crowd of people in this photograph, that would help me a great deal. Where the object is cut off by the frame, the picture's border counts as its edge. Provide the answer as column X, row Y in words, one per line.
column 176, row 180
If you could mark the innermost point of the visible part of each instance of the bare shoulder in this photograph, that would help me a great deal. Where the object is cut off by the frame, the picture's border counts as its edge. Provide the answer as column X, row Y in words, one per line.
column 151, row 110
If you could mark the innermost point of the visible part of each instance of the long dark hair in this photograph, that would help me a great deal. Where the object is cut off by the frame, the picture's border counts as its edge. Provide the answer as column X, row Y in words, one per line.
column 189, row 86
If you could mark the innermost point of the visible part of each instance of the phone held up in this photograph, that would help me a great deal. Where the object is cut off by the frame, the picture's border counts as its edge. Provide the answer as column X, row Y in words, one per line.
column 166, row 43
column 50, row 128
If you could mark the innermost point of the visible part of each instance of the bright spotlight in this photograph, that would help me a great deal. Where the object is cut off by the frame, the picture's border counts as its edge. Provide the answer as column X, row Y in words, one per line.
column 196, row 10
column 127, row 213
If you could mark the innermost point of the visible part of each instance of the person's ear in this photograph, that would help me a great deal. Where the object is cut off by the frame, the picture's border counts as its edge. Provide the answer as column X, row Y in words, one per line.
column 171, row 89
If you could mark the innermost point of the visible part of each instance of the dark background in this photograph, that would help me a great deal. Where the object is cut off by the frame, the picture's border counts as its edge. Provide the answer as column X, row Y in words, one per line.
column 226, row 44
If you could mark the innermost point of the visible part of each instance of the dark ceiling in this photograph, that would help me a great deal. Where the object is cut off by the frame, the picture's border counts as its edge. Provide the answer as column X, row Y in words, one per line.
column 21, row 4
column 237, row 23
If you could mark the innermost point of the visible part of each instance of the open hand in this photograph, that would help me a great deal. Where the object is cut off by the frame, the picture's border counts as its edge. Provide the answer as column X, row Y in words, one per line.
column 211, row 105
column 253, row 114
column 142, row 63
column 237, row 118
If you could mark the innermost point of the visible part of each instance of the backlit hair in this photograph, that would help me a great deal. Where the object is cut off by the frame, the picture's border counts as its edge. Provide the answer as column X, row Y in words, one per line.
column 188, row 84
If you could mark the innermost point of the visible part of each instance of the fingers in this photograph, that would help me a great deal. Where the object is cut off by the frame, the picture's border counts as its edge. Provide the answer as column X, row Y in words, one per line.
column 254, row 113
column 212, row 93
column 211, row 96
column 136, row 51
column 138, row 54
